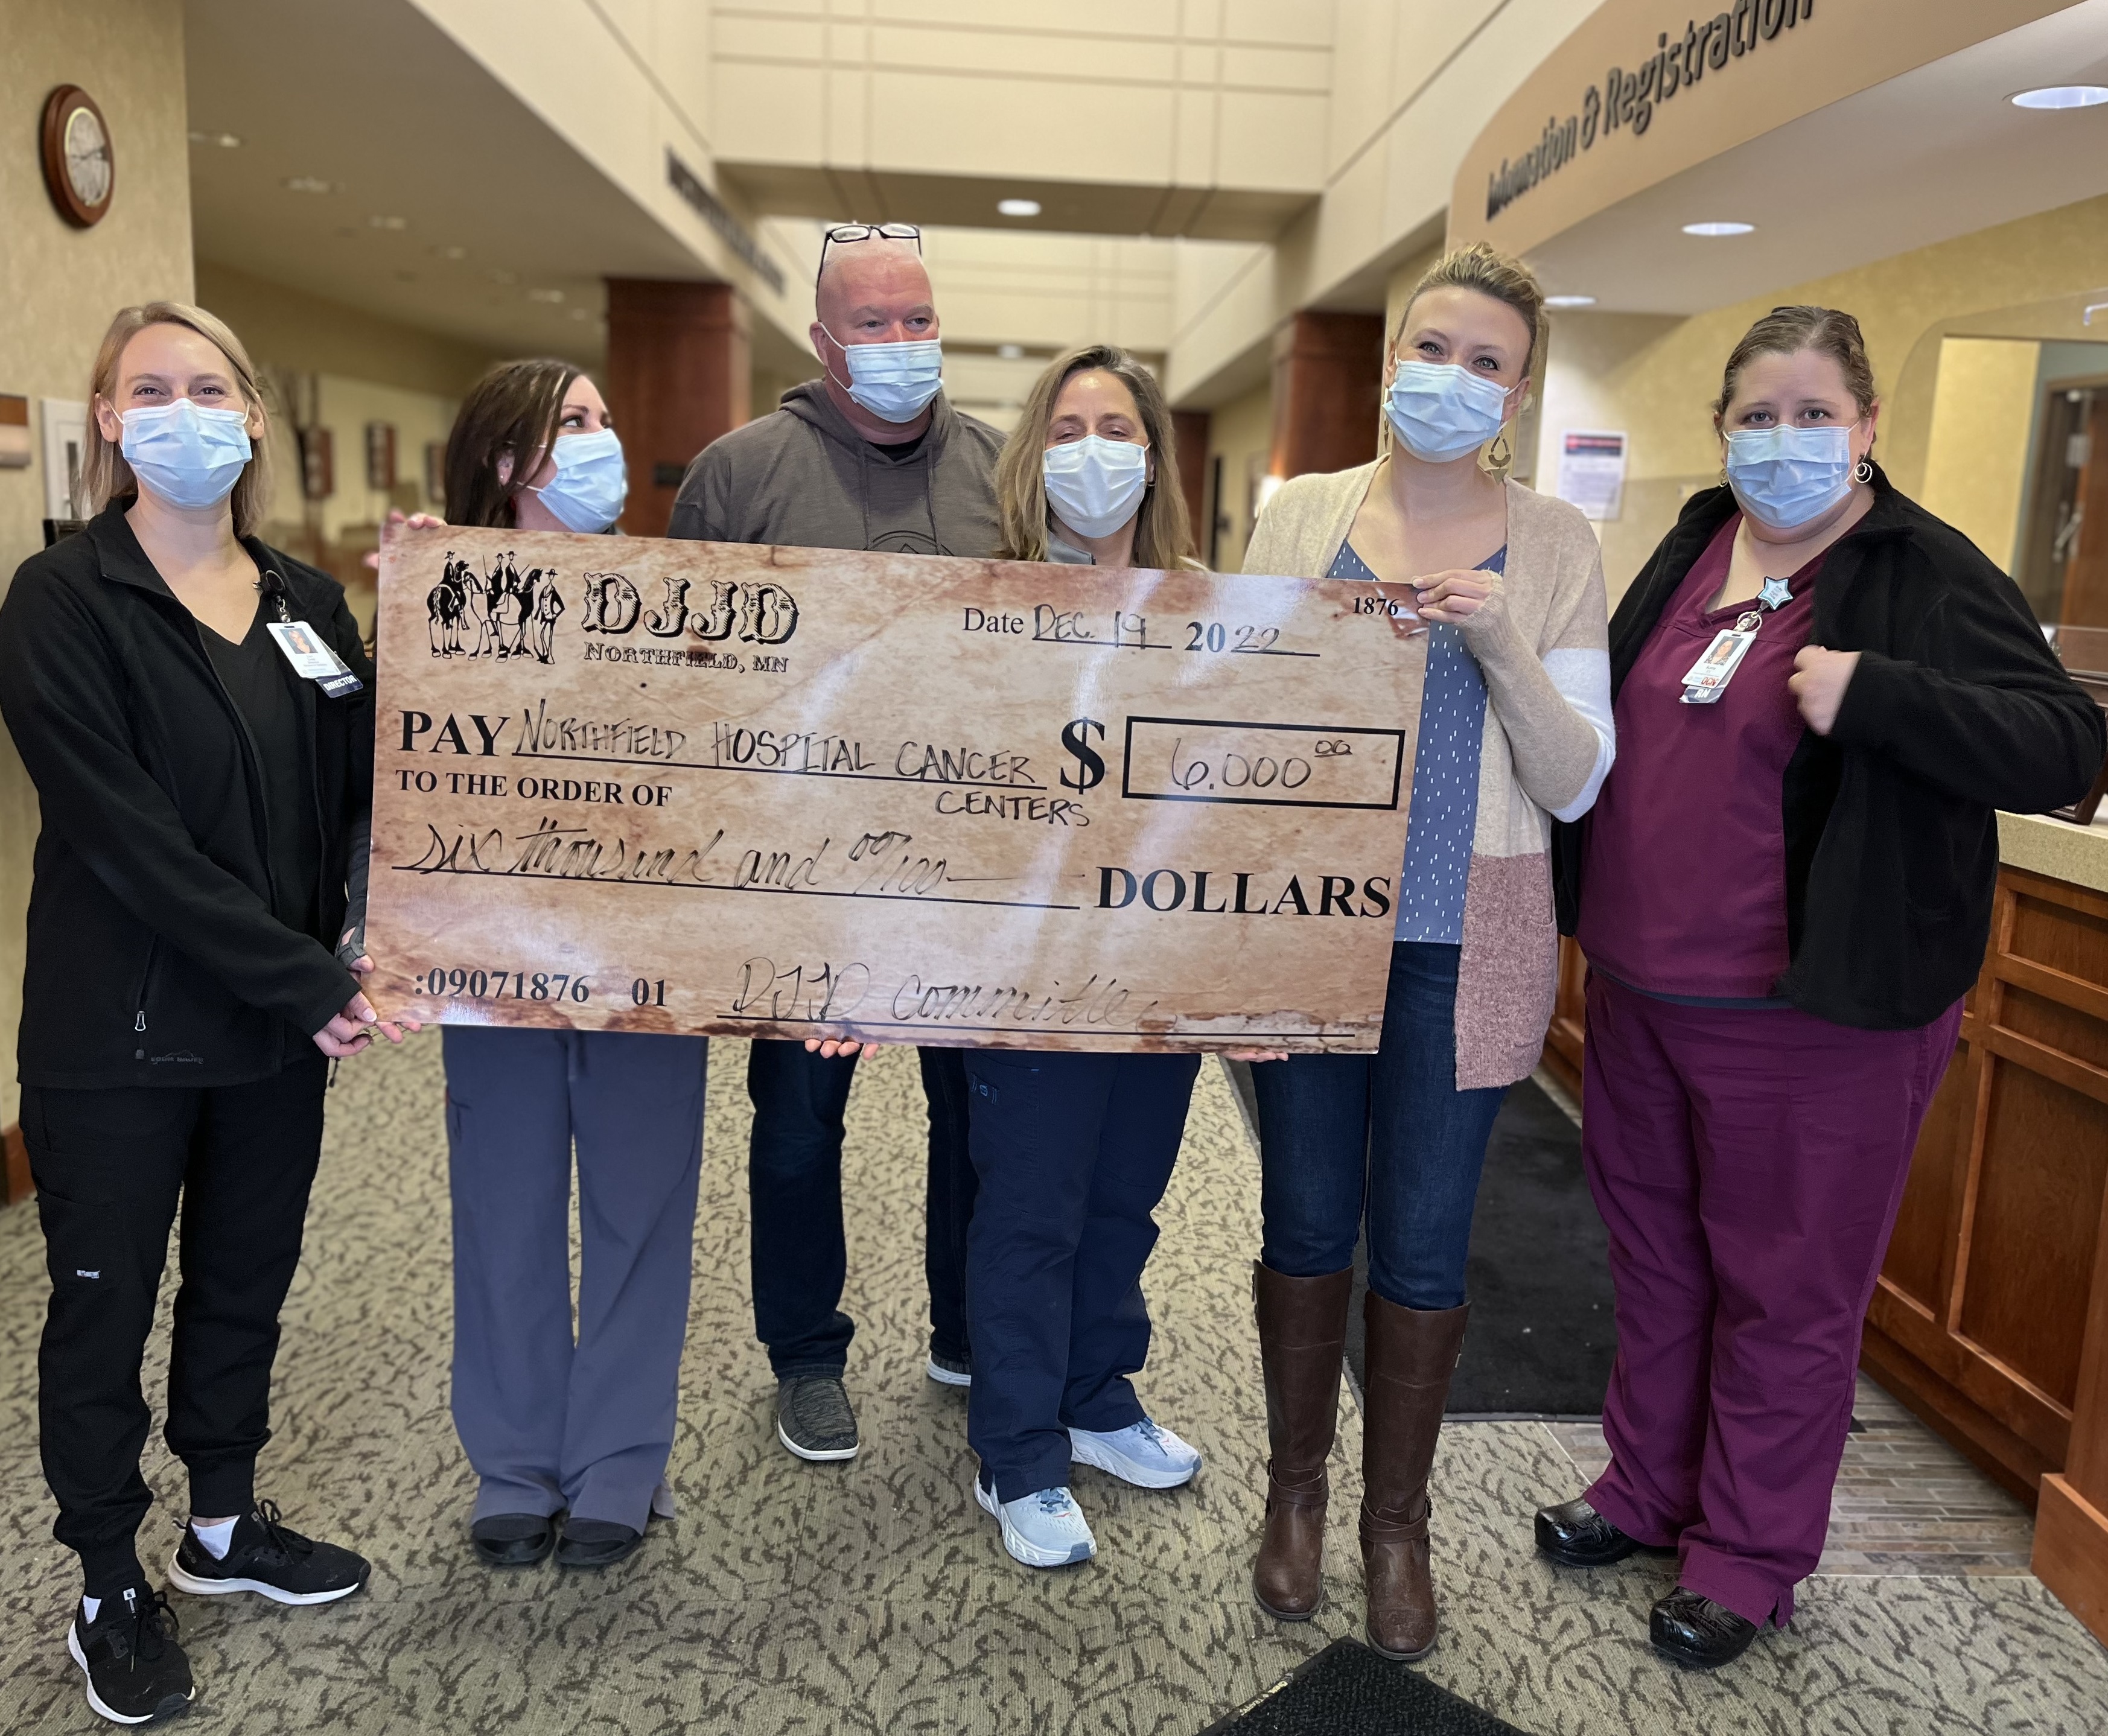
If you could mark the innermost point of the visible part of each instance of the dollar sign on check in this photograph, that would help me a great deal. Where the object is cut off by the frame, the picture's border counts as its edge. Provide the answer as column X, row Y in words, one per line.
column 1090, row 770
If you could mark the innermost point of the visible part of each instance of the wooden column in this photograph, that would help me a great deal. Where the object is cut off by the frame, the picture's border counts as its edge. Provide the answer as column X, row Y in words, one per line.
column 1189, row 428
column 678, row 374
column 1327, row 389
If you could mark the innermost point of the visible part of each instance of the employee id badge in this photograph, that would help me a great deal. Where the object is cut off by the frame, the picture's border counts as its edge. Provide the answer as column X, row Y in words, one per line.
column 1705, row 679
column 312, row 659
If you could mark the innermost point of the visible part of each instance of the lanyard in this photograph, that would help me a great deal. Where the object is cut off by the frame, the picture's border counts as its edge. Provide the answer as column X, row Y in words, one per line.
column 1707, row 679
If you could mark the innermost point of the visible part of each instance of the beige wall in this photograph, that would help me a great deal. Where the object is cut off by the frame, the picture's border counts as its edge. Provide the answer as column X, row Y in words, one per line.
column 1206, row 93
column 1661, row 387
column 1976, row 455
column 59, row 286
column 1240, row 434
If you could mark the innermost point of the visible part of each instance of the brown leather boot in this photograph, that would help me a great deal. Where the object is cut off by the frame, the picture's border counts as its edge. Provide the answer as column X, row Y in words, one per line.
column 1412, row 1354
column 1302, row 1331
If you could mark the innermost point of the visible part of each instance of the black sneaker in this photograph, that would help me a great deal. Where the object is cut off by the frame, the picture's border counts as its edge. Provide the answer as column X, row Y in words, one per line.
column 814, row 1418
column 137, row 1673
column 266, row 1558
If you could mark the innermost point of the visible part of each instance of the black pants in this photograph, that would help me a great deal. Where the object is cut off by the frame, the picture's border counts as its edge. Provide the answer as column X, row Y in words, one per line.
column 800, row 1257
column 109, row 1168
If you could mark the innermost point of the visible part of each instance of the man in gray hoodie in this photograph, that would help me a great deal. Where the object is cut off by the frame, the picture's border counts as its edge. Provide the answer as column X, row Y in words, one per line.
column 869, row 456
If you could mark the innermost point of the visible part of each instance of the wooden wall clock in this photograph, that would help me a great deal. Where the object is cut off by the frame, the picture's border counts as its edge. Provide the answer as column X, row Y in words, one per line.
column 78, row 170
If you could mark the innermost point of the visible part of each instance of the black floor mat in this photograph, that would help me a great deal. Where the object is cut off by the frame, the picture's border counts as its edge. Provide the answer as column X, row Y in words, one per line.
column 1542, row 1333
column 1347, row 1690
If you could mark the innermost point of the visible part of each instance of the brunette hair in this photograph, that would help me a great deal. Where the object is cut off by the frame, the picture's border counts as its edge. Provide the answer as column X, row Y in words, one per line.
column 1163, row 537
column 511, row 412
column 1787, row 331
column 1485, row 268
column 104, row 470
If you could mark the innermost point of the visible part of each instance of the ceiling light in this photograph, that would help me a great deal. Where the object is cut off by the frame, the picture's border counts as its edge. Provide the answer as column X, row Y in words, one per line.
column 2063, row 96
column 306, row 184
column 1010, row 352
column 504, row 276
column 450, row 252
column 225, row 140
column 1018, row 207
column 582, row 313
column 388, row 222
column 1569, row 301
column 551, row 296
column 1710, row 230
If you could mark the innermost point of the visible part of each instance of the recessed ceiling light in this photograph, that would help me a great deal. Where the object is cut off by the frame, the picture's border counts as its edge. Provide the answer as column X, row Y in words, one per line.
column 582, row 313
column 1719, row 229
column 1010, row 352
column 388, row 222
column 1569, row 301
column 1018, row 207
column 450, row 252
column 306, row 184
column 551, row 296
column 504, row 276
column 2063, row 96
column 225, row 140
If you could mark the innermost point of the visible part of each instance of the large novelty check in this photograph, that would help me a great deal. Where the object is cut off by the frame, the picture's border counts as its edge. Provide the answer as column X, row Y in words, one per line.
column 680, row 786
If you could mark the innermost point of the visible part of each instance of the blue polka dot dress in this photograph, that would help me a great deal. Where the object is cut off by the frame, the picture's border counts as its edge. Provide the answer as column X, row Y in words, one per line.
column 1445, row 778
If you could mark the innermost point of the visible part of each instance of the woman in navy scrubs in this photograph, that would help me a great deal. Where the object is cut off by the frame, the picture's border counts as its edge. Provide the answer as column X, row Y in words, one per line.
column 1073, row 1151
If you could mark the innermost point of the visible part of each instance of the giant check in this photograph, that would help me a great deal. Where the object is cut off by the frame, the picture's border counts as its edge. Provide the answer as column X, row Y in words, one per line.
column 679, row 786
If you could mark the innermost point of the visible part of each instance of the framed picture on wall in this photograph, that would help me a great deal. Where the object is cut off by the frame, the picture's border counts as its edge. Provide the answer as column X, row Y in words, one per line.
column 435, row 472
column 380, row 457
column 66, row 455
column 318, row 464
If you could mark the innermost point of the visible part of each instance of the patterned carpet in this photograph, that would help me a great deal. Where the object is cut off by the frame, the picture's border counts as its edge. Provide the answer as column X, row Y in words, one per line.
column 874, row 1597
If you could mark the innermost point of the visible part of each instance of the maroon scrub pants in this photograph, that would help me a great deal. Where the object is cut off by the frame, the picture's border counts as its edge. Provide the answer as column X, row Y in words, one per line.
column 1749, row 1164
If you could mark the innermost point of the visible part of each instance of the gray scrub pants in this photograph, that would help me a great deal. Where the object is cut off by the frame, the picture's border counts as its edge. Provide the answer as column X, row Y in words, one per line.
column 551, row 1422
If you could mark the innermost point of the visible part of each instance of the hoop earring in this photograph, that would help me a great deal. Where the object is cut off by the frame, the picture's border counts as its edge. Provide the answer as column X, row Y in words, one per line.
column 1863, row 471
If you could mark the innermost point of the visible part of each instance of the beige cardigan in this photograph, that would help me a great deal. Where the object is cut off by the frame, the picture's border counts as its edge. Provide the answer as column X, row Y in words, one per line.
column 1542, row 642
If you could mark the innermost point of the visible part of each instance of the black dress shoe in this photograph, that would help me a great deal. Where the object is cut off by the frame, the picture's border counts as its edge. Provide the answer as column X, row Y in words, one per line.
column 513, row 1539
column 596, row 1543
column 1695, row 1630
column 1576, row 1535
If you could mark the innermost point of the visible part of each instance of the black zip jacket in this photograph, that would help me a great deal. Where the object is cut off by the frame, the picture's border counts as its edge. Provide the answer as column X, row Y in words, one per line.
column 1957, row 708
column 155, row 957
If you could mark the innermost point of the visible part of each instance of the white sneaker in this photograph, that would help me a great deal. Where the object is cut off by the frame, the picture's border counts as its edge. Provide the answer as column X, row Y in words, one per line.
column 1045, row 1530
column 1141, row 1453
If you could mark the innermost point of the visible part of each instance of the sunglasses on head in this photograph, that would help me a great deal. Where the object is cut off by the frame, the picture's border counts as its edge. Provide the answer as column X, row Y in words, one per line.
column 842, row 234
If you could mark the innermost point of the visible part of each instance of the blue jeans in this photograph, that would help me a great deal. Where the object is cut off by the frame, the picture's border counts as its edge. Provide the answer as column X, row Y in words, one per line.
column 1389, row 1131
column 800, row 1257
column 1073, row 1152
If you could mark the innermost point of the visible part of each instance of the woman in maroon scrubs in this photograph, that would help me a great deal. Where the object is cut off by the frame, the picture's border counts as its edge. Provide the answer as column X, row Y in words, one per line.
column 1823, row 696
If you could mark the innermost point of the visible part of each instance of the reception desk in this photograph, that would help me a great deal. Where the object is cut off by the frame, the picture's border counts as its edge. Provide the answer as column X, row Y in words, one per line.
column 1990, row 1319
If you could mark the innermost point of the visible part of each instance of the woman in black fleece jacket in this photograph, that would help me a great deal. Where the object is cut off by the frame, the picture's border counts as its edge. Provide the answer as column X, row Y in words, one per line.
column 190, row 974
column 1823, row 695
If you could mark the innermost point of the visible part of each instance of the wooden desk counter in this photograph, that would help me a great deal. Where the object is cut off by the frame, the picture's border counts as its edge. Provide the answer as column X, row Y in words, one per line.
column 1990, row 1319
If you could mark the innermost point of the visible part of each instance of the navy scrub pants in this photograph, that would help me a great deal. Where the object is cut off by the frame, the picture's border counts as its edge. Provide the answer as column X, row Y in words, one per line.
column 552, row 1423
column 1072, row 1152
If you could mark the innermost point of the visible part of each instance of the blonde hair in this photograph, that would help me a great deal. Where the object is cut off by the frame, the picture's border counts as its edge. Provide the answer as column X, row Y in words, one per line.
column 1162, row 536
column 1484, row 269
column 108, row 477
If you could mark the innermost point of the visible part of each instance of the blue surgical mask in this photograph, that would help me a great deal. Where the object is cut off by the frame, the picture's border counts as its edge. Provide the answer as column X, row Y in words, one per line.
column 591, row 482
column 895, row 381
column 1441, row 412
column 1096, row 484
column 184, row 454
column 1788, row 476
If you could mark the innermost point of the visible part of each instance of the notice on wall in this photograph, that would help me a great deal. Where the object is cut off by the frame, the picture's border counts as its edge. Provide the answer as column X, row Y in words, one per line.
column 686, row 786
column 1592, row 472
